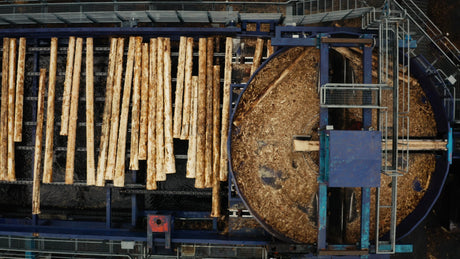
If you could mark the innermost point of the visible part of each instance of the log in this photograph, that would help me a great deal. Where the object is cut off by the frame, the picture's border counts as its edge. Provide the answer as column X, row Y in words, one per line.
column 134, row 153
column 170, row 160
column 38, row 143
column 300, row 145
column 67, row 87
column 191, row 153
column 262, row 95
column 270, row 49
column 160, row 172
column 201, row 120
column 115, row 119
column 105, row 129
column 18, row 111
column 225, row 110
column 144, row 103
column 119, row 177
column 151, row 155
column 4, row 112
column 73, row 115
column 215, row 211
column 48, row 160
column 209, row 119
column 179, row 88
column 11, row 99
column 187, row 91
column 90, row 163
column 257, row 55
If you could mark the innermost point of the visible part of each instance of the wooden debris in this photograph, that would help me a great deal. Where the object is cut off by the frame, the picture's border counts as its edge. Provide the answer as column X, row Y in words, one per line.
column 191, row 153
column 4, row 112
column 215, row 212
column 257, row 55
column 38, row 143
column 11, row 99
column 209, row 101
column 160, row 172
column 18, row 112
column 226, row 110
column 186, row 122
column 105, row 130
column 134, row 153
column 73, row 116
column 144, row 103
column 201, row 121
column 179, row 88
column 151, row 155
column 115, row 119
column 270, row 49
column 170, row 160
column 119, row 177
column 414, row 145
column 48, row 160
column 263, row 94
column 67, row 87
column 90, row 163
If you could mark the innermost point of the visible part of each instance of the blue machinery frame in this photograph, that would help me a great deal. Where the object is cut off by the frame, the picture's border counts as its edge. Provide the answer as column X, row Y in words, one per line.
column 104, row 230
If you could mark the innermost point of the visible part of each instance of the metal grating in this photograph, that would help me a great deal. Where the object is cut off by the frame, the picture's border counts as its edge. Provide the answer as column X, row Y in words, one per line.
column 350, row 96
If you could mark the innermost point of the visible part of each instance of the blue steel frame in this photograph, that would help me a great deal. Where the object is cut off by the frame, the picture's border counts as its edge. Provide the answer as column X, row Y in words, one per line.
column 367, row 120
column 104, row 230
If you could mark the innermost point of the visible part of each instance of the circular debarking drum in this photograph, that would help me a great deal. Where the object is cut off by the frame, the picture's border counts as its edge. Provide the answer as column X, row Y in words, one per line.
column 280, row 185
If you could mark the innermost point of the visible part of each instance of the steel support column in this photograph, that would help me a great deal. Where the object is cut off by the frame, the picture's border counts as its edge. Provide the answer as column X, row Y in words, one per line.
column 108, row 208
column 322, row 200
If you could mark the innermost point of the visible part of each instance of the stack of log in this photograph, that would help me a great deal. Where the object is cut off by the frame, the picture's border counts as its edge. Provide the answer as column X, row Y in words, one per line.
column 11, row 110
column 146, row 76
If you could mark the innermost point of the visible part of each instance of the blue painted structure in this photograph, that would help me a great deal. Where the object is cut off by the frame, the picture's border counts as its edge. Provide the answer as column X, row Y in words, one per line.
column 355, row 158
column 106, row 230
column 309, row 37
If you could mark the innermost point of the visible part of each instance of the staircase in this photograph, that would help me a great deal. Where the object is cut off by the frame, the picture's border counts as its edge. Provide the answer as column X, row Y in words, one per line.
column 435, row 52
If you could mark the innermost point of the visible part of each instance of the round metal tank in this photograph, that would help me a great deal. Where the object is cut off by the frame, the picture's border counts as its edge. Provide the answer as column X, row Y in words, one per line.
column 278, row 185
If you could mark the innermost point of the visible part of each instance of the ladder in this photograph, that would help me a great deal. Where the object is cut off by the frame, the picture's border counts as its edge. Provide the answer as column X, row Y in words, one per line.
column 394, row 55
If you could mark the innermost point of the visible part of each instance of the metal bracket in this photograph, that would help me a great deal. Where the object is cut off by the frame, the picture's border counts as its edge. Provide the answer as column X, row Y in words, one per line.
column 159, row 224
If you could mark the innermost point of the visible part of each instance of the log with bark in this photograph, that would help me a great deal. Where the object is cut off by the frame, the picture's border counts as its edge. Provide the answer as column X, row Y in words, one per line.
column 226, row 110
column 201, row 120
column 215, row 211
column 73, row 115
column 143, row 131
column 49, row 143
column 160, row 137
column 67, row 87
column 151, row 145
column 170, row 160
column 257, row 55
column 11, row 99
column 4, row 111
column 119, row 176
column 179, row 88
column 191, row 153
column 106, row 115
column 115, row 119
column 186, row 114
column 209, row 119
column 90, row 163
column 38, row 143
column 134, row 153
column 18, row 111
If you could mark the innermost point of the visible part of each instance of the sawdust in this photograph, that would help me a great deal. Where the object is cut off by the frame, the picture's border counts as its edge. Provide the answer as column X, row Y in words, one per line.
column 279, row 185
column 411, row 188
